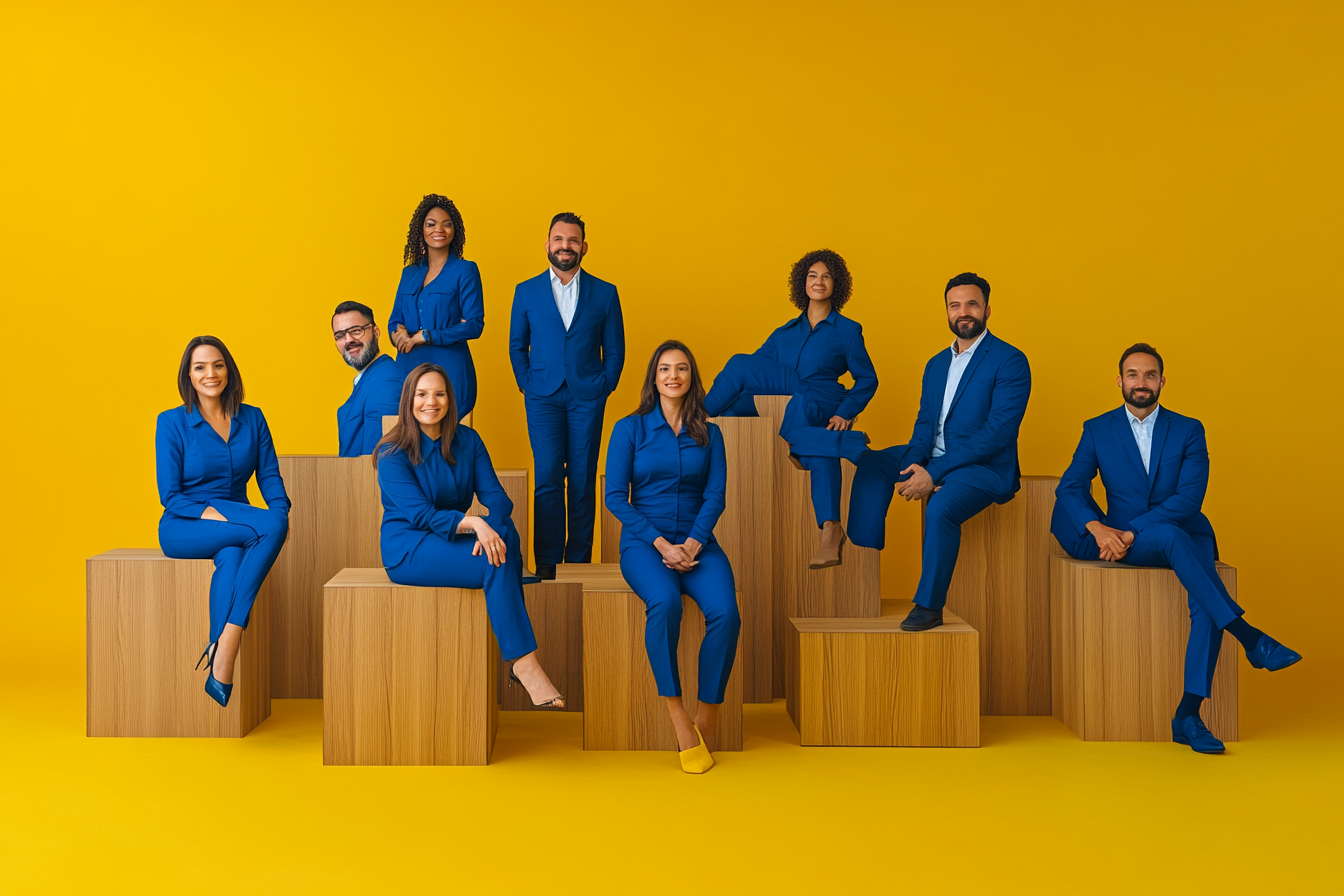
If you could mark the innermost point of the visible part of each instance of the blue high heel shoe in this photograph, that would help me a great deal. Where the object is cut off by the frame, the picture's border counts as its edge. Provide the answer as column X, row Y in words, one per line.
column 218, row 690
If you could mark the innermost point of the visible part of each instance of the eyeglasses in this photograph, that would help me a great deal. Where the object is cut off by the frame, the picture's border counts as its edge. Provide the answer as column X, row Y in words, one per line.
column 352, row 332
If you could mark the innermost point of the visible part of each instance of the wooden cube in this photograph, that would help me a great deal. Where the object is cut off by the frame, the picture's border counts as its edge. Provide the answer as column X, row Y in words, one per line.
column 622, row 709
column 1118, row 635
column 1001, row 587
column 410, row 675
column 864, row 682
column 148, row 621
column 556, row 611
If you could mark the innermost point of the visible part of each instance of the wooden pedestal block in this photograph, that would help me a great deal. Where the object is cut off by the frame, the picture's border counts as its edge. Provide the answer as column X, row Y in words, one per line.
column 1001, row 587
column 1118, row 638
column 148, row 621
column 864, row 682
column 852, row 589
column 410, row 675
column 744, row 532
column 622, row 709
column 556, row 611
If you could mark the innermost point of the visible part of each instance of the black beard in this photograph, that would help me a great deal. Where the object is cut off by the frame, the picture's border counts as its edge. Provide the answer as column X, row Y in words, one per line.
column 563, row 265
column 976, row 329
column 365, row 357
column 1146, row 402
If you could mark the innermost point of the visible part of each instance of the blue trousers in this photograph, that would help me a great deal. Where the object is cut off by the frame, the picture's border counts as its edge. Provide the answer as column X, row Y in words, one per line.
column 566, row 434
column 947, row 509
column 1211, row 606
column 712, row 588
column 456, row 360
column 244, row 550
column 439, row 563
column 804, row 425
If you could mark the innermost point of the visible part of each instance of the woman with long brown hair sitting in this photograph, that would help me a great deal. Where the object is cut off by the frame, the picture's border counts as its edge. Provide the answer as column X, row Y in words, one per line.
column 429, row 468
column 666, row 480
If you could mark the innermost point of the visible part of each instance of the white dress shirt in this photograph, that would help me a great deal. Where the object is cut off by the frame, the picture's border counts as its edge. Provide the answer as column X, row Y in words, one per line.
column 1143, row 432
column 954, row 374
column 566, row 295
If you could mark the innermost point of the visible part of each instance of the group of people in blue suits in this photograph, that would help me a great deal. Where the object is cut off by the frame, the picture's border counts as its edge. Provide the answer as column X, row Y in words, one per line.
column 666, row 470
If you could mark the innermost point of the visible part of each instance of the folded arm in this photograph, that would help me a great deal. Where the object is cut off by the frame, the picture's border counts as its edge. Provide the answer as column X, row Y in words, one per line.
column 472, row 302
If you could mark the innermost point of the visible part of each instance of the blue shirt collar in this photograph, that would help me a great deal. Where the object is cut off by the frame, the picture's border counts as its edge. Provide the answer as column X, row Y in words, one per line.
column 801, row 319
column 654, row 419
column 194, row 416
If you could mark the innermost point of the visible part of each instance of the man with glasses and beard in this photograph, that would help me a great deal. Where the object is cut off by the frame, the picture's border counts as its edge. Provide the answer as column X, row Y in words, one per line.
column 567, row 346
column 377, row 390
column 1155, row 466
column 962, row 455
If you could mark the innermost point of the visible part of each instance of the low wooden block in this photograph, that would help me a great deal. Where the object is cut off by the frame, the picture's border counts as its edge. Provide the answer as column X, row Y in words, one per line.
column 863, row 682
column 556, row 611
column 852, row 589
column 148, row 621
column 1118, row 636
column 410, row 675
column 622, row 709
column 1001, row 587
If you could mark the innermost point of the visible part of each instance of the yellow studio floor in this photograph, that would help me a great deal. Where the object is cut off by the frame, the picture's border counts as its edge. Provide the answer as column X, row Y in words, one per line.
column 1034, row 810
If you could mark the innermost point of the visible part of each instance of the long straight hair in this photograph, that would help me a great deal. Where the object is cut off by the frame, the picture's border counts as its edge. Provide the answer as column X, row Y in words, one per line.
column 231, row 399
column 693, row 414
column 405, row 433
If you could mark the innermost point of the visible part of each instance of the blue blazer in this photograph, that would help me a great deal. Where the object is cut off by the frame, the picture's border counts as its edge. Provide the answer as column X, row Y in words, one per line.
column 823, row 355
column 664, row 484
column 980, row 432
column 440, row 307
column 434, row 495
column 377, row 394
column 195, row 467
column 589, row 356
column 1171, row 491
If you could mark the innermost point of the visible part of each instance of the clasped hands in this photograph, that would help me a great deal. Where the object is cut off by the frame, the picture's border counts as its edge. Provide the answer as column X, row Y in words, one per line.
column 918, row 486
column 488, row 541
column 1113, row 543
column 838, row 424
column 679, row 557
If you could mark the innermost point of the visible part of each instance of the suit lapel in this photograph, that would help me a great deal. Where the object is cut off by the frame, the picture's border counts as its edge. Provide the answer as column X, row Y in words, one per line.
column 1124, row 434
column 580, row 302
column 1155, row 450
column 981, row 350
column 546, row 296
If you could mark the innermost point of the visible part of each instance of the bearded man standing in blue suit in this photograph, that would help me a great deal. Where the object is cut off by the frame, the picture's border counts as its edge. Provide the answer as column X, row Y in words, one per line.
column 567, row 346
column 1154, row 464
column 962, row 455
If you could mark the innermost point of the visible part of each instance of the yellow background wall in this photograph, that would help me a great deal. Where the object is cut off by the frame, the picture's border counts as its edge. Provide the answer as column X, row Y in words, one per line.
column 1119, row 172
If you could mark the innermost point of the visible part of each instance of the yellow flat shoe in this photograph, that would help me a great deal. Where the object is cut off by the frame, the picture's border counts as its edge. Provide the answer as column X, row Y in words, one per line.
column 697, row 760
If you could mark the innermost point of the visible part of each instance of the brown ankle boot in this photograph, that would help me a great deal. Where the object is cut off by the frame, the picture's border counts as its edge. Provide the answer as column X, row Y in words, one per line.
column 828, row 551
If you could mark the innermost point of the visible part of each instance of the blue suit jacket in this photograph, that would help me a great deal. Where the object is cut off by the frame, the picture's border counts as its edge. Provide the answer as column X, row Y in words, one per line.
column 433, row 495
column 1171, row 491
column 377, row 394
column 451, row 308
column 589, row 356
column 980, row 432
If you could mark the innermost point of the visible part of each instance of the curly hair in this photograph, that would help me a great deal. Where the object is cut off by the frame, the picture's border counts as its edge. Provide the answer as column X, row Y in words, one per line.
column 415, row 236
column 840, row 292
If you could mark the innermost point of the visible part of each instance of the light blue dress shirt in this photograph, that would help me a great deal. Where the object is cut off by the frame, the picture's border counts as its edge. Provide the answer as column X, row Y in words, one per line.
column 1143, row 432
column 954, row 373
column 566, row 295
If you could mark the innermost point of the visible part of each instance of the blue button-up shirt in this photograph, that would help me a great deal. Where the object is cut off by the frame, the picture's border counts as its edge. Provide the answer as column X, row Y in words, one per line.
column 821, row 355
column 660, row 484
column 195, row 467
column 1143, row 432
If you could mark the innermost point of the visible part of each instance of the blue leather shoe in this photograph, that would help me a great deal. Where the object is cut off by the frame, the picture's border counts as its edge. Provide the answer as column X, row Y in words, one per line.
column 1270, row 654
column 1191, row 732
column 218, row 691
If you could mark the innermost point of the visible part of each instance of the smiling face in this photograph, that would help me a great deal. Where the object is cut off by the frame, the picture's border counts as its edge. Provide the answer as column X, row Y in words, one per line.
column 209, row 373
column 431, row 399
column 967, row 311
column 1141, row 380
column 356, row 338
column 565, row 246
column 820, row 283
column 674, row 374
column 438, row 229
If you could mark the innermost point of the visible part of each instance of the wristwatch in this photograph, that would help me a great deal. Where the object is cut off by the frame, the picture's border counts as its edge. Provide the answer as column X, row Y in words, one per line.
column 424, row 334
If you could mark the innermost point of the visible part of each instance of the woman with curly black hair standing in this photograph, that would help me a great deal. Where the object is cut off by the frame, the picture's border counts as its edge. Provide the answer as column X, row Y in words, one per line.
column 805, row 358
column 439, row 304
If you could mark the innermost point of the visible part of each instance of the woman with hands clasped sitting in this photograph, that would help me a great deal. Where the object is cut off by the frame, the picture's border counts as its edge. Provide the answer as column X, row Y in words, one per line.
column 429, row 468
column 666, row 478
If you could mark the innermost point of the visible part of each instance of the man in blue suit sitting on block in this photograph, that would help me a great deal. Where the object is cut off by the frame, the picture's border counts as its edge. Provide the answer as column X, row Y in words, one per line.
column 1154, row 464
column 567, row 346
column 377, row 389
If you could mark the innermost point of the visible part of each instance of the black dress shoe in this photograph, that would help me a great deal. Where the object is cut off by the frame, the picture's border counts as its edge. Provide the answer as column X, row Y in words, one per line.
column 921, row 619
column 545, row 573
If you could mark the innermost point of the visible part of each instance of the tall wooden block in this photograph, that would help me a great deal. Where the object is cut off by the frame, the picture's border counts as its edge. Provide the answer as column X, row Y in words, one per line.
column 852, row 589
column 556, row 611
column 1001, row 587
column 1118, row 636
column 410, row 675
column 622, row 709
column 148, row 621
column 863, row 682
column 333, row 524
